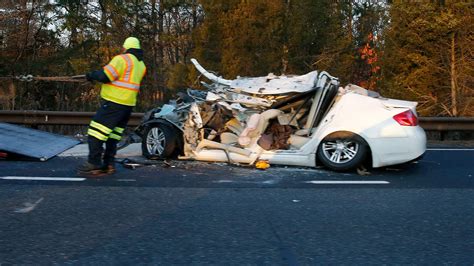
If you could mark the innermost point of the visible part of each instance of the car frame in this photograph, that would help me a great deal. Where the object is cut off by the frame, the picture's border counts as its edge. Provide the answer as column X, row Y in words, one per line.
column 341, row 128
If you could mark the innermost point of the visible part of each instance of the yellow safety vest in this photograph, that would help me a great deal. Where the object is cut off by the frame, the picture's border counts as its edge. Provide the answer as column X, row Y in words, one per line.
column 125, row 73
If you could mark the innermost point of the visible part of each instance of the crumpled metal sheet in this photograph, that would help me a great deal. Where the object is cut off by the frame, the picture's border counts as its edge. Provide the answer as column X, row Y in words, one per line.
column 33, row 143
column 272, row 84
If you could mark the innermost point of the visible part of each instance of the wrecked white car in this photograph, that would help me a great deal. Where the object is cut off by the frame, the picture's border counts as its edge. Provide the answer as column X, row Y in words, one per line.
column 304, row 120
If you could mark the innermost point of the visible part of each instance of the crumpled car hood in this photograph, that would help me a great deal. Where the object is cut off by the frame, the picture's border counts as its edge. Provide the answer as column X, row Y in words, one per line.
column 270, row 84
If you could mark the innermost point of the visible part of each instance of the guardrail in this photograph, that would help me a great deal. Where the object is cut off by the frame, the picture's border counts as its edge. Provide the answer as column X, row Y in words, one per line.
column 36, row 118
column 447, row 123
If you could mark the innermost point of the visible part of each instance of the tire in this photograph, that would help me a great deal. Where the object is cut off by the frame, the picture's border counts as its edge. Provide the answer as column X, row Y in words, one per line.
column 159, row 141
column 342, row 151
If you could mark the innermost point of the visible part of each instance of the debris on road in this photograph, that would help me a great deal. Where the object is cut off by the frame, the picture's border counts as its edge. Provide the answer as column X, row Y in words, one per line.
column 127, row 163
column 32, row 143
column 135, row 163
column 262, row 165
column 28, row 206
column 362, row 171
column 168, row 164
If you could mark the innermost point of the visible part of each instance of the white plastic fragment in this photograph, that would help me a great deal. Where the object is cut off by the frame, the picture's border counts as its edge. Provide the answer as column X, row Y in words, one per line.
column 28, row 206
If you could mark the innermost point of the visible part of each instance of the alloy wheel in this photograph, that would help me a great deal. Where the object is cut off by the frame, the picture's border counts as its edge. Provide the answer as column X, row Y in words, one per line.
column 340, row 151
column 155, row 141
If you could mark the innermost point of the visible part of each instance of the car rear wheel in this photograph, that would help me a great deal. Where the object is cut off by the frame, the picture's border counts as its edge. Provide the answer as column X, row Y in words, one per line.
column 159, row 141
column 342, row 151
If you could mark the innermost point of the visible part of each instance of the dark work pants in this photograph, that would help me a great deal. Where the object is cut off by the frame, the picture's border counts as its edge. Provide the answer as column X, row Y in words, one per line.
column 107, row 126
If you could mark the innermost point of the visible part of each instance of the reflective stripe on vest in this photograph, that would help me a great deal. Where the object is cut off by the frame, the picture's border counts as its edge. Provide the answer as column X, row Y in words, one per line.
column 112, row 71
column 128, row 69
column 126, row 85
column 125, row 88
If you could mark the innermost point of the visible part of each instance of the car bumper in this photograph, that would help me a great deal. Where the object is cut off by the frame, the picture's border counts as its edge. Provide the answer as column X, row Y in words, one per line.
column 390, row 151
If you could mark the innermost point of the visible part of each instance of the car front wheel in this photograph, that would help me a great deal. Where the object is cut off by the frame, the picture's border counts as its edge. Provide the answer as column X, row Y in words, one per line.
column 342, row 151
column 159, row 141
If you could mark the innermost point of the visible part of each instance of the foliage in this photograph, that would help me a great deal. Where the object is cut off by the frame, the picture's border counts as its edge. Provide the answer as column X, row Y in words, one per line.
column 414, row 51
column 429, row 57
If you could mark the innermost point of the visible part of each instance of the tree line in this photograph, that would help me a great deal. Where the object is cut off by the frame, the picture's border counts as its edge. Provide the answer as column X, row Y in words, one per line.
column 420, row 51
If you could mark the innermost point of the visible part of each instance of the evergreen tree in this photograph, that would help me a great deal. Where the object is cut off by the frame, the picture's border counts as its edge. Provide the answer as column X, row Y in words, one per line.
column 241, row 37
column 429, row 57
column 338, row 53
column 308, row 33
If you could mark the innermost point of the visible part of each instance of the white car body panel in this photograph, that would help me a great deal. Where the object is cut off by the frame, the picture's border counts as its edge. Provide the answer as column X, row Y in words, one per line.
column 389, row 142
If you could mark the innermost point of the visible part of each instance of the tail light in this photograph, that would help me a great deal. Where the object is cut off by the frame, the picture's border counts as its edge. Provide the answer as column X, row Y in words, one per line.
column 407, row 118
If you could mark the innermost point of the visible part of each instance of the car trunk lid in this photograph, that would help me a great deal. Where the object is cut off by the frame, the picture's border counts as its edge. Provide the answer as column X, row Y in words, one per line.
column 392, row 103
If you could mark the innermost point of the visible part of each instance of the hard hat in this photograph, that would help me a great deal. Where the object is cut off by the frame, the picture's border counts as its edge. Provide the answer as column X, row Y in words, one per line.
column 131, row 42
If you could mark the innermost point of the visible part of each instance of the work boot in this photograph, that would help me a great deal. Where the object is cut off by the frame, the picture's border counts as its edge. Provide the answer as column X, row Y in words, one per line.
column 90, row 170
column 109, row 169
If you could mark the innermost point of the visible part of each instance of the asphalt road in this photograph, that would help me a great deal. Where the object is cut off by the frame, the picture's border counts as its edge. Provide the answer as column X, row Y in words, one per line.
column 202, row 213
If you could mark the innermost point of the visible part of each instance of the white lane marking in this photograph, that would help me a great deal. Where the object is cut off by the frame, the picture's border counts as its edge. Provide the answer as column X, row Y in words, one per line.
column 356, row 182
column 269, row 182
column 448, row 149
column 38, row 178
column 126, row 180
column 265, row 182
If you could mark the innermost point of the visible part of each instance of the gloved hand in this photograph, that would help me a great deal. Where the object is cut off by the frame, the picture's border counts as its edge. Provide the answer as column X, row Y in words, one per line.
column 89, row 76
column 97, row 75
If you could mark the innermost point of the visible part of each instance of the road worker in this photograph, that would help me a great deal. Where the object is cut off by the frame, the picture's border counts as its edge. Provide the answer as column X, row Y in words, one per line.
column 121, row 80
